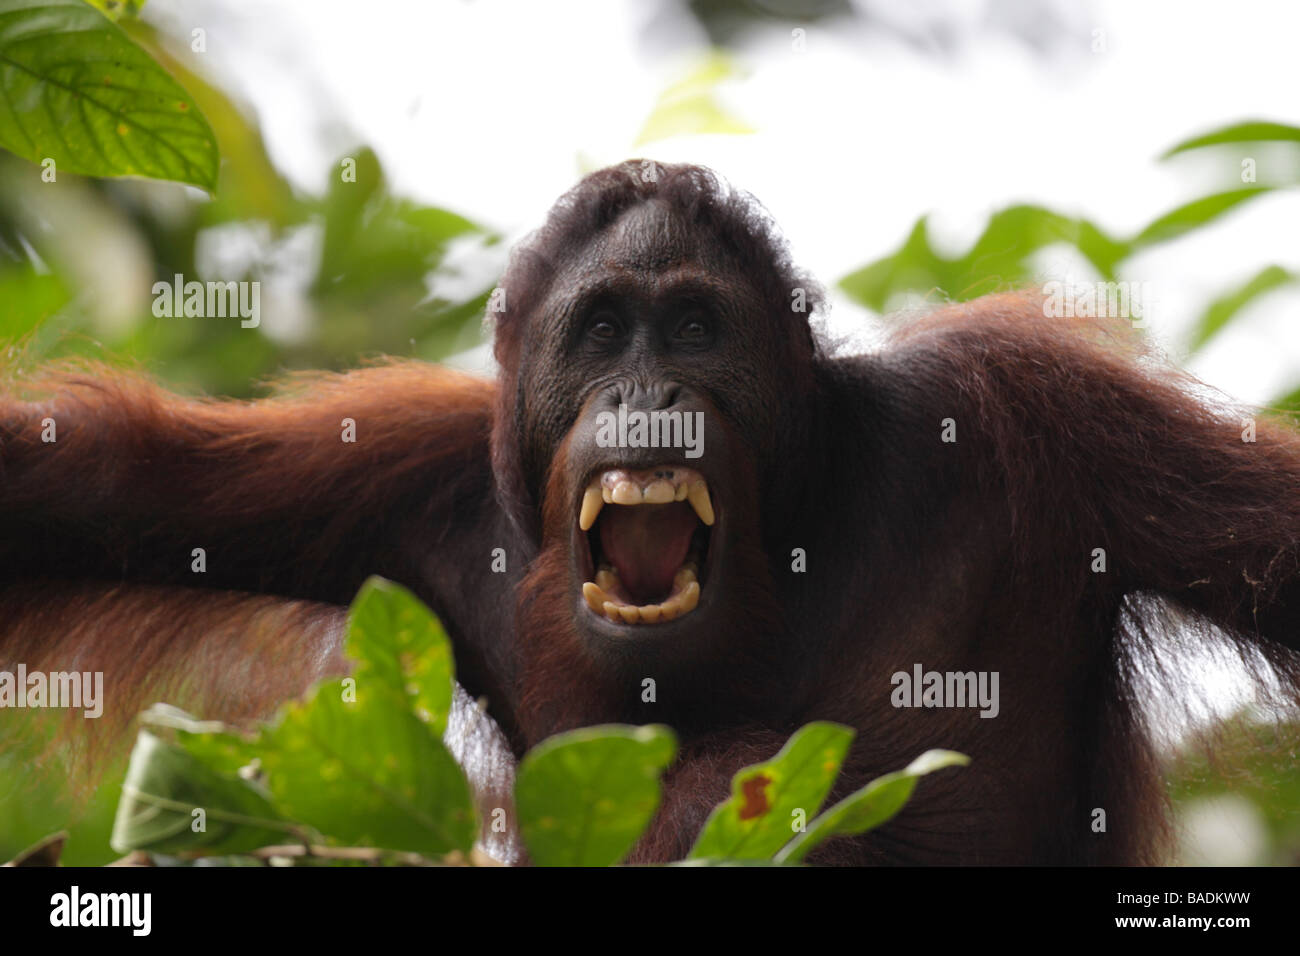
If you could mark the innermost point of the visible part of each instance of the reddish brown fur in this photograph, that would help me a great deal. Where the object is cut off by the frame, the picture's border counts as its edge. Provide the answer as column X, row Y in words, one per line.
column 157, row 475
column 229, row 656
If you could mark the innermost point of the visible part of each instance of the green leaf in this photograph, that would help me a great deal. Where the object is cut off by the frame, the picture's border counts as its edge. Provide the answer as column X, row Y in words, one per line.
column 48, row 851
column 116, row 9
column 1017, row 232
column 220, row 747
column 371, row 236
column 1288, row 404
column 868, row 808
column 914, row 267
column 74, row 88
column 367, row 773
column 399, row 642
column 1193, row 215
column 1001, row 258
column 165, row 784
column 584, row 797
column 1221, row 310
column 760, row 816
column 361, row 761
column 1250, row 131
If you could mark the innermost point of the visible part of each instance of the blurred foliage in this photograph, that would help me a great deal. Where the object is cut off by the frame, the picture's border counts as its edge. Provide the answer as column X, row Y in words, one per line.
column 1251, row 759
column 35, row 797
column 353, row 271
column 1044, row 27
column 1005, row 255
column 1247, row 132
column 691, row 105
column 728, row 21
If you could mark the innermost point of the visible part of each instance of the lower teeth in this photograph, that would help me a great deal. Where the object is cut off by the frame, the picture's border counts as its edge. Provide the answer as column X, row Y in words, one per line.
column 604, row 596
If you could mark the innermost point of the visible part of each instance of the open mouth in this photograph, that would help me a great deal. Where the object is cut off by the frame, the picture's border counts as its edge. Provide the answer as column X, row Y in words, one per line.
column 647, row 534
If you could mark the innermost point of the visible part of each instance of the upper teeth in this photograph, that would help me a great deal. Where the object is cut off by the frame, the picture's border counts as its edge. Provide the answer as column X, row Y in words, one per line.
column 658, row 487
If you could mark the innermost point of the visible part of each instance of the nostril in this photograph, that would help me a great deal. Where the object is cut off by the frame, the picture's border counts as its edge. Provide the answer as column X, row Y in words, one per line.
column 617, row 394
column 651, row 397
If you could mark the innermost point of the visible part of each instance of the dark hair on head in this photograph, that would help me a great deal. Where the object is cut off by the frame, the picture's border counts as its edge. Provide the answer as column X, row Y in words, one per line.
column 740, row 226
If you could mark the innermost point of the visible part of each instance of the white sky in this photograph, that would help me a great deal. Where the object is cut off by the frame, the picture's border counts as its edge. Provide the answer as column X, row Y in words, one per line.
column 491, row 107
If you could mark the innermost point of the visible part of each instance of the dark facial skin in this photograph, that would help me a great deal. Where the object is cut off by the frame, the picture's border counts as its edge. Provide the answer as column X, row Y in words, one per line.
column 648, row 306
column 651, row 318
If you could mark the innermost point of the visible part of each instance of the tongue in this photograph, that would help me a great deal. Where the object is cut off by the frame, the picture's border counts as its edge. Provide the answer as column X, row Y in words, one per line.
column 647, row 544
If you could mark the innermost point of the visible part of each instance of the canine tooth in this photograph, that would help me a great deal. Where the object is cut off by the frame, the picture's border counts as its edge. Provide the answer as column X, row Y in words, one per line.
column 631, row 614
column 592, row 502
column 626, row 493
column 682, row 490
column 689, row 598
column 658, row 492
column 650, row 613
column 594, row 596
column 611, row 612
column 699, row 495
